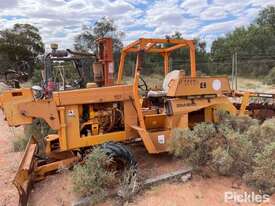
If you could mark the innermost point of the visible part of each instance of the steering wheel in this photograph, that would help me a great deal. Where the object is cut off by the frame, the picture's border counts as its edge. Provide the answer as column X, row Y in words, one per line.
column 78, row 83
column 142, row 84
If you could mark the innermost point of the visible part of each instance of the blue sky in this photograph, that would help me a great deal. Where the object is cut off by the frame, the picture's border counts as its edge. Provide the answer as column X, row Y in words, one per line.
column 60, row 20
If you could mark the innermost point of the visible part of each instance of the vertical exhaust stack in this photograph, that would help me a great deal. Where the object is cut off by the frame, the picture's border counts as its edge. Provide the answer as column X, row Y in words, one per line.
column 98, row 74
column 104, row 67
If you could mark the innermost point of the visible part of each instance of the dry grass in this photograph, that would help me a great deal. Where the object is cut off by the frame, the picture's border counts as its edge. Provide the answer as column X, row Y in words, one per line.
column 129, row 184
column 253, row 85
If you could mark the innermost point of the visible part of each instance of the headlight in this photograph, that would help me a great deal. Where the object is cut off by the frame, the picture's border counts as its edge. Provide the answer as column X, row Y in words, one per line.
column 37, row 92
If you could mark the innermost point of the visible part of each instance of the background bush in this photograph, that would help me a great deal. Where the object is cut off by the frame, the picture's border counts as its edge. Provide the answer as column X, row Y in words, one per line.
column 263, row 173
column 238, row 146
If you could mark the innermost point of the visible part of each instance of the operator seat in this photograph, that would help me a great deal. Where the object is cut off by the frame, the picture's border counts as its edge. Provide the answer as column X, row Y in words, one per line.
column 173, row 75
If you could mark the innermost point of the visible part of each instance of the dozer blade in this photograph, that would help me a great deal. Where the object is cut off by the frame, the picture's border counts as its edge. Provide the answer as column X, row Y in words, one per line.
column 24, row 177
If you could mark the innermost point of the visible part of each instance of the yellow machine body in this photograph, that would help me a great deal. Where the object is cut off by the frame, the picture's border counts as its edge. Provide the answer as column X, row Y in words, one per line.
column 86, row 117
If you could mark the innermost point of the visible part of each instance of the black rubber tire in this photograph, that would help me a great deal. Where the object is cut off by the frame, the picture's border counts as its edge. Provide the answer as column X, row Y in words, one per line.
column 121, row 152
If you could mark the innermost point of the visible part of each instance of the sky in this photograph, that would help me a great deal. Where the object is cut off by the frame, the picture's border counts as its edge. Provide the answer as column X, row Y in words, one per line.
column 59, row 21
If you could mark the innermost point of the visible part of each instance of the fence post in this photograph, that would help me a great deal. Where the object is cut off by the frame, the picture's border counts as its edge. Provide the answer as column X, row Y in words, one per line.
column 236, row 70
column 233, row 71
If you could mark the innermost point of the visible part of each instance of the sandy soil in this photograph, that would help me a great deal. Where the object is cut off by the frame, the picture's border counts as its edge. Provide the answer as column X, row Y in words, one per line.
column 9, row 161
column 197, row 192
column 56, row 190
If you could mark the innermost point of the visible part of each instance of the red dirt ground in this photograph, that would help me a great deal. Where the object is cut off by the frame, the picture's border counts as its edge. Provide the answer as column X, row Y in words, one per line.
column 8, row 164
column 197, row 192
column 56, row 190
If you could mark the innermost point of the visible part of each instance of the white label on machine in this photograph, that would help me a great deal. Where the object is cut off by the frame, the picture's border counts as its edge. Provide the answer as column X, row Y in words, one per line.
column 161, row 139
column 216, row 84
column 71, row 113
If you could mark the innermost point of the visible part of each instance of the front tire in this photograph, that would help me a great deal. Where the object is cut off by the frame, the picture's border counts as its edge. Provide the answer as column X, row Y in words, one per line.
column 121, row 155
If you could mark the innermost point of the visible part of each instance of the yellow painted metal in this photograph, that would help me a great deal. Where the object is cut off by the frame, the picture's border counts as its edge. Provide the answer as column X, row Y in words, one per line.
column 48, row 140
column 130, row 118
column 151, row 50
column 155, row 121
column 180, row 105
column 93, row 95
column 121, row 65
column 245, row 102
column 44, row 109
column 41, row 172
column 192, row 58
column 189, row 86
column 141, row 129
column 24, row 177
column 177, row 46
column 209, row 114
column 80, row 142
column 62, row 132
column 160, row 139
column 9, row 103
column 148, row 143
column 176, row 121
column 166, row 63
column 149, row 46
column 72, row 128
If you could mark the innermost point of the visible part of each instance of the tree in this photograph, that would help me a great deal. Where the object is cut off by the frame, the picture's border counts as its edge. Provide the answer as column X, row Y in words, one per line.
column 254, row 44
column 104, row 27
column 175, row 35
column 20, row 47
column 180, row 59
column 267, row 17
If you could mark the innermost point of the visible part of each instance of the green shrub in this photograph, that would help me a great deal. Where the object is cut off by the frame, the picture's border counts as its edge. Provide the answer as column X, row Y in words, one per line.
column 219, row 147
column 241, row 150
column 238, row 124
column 92, row 178
column 236, row 146
column 186, row 142
column 268, row 131
column 263, row 174
column 36, row 77
column 182, row 143
column 222, row 161
column 20, row 144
